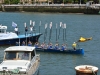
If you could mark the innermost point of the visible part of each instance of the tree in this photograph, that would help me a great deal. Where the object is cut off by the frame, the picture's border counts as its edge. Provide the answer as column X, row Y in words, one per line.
column 96, row 1
column 11, row 1
column 58, row 1
column 6, row 2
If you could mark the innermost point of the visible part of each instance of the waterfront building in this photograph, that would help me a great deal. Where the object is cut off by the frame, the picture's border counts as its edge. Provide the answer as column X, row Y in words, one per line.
column 34, row 1
column 30, row 1
column 1, row 1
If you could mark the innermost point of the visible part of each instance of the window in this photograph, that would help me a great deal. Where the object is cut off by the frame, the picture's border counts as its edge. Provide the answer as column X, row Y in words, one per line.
column 33, row 54
column 10, row 55
column 23, row 55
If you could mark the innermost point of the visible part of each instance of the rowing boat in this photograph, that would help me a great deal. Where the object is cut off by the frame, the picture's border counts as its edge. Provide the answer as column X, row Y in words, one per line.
column 67, row 51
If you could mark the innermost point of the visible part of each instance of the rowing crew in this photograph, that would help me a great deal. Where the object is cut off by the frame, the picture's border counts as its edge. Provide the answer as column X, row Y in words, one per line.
column 56, row 47
column 24, row 44
column 50, row 46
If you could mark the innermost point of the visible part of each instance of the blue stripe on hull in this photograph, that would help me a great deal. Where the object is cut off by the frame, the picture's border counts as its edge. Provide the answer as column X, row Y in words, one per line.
column 13, row 41
column 70, row 51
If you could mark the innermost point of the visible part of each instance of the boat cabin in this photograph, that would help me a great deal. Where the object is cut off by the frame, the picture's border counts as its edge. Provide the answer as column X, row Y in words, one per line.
column 19, row 53
column 21, row 60
column 3, row 29
column 6, row 35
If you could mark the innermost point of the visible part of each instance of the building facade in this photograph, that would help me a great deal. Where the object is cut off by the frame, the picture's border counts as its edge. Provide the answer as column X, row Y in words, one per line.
column 30, row 1
column 1, row 1
column 34, row 1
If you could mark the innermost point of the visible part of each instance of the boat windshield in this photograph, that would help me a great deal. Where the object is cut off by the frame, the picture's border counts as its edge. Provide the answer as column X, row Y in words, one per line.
column 23, row 55
column 10, row 55
column 2, row 30
column 17, row 55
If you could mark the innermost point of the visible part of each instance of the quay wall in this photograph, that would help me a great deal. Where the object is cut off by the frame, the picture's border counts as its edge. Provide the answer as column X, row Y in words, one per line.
column 46, row 8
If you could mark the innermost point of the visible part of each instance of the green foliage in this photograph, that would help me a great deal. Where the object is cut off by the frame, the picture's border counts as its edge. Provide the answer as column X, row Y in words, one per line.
column 55, row 1
column 63, row 1
column 69, row 1
column 11, row 1
column 6, row 1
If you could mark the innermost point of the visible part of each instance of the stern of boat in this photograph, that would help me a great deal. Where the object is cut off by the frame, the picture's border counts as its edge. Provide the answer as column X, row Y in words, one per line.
column 35, row 66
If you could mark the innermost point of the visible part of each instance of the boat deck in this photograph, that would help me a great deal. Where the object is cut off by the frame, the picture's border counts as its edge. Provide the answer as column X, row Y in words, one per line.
column 32, row 71
column 21, row 36
column 67, row 51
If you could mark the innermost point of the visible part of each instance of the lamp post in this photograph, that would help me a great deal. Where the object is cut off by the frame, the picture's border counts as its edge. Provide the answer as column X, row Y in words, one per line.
column 80, row 2
column 9, row 2
column 48, row 2
column 63, row 1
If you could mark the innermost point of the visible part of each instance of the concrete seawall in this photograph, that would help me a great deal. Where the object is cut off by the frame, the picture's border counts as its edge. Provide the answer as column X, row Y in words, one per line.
column 49, row 8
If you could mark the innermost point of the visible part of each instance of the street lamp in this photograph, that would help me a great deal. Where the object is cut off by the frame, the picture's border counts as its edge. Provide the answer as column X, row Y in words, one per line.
column 80, row 2
column 48, row 2
column 63, row 1
column 9, row 2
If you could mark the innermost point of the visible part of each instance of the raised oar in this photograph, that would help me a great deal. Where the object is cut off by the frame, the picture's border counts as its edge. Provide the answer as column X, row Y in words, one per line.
column 45, row 33
column 31, row 28
column 50, row 32
column 65, row 32
column 59, row 29
column 25, row 33
column 30, row 22
column 34, row 28
column 39, row 26
column 56, row 34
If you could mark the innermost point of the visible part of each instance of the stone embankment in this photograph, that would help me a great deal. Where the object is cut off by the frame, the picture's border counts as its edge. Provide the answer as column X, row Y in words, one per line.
column 60, row 8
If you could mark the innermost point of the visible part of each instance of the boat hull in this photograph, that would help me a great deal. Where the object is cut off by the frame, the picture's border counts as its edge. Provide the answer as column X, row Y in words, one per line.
column 69, row 51
column 21, row 38
column 33, row 70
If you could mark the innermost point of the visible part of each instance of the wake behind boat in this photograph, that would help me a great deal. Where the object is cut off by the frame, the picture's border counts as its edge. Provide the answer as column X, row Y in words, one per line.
column 10, row 38
column 20, row 60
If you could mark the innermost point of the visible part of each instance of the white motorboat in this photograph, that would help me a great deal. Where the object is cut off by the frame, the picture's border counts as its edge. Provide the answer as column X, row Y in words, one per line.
column 20, row 60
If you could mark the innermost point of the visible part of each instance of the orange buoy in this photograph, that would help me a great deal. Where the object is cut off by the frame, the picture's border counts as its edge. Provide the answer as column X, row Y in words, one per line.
column 86, row 70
